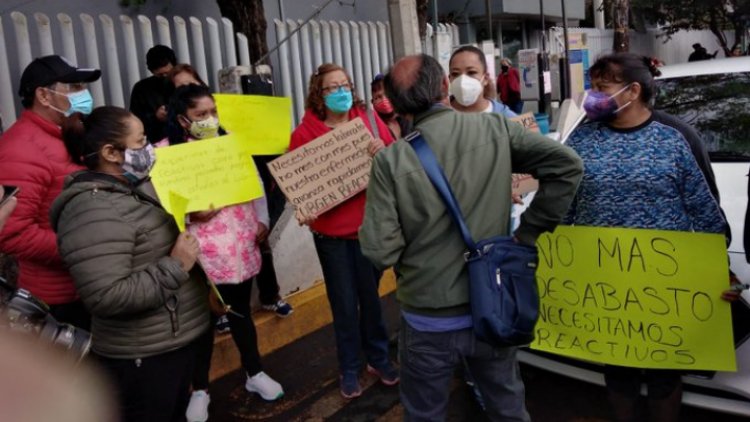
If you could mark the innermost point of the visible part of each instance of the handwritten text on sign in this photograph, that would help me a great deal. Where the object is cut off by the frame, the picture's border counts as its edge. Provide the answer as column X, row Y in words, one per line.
column 213, row 172
column 262, row 122
column 631, row 297
column 326, row 171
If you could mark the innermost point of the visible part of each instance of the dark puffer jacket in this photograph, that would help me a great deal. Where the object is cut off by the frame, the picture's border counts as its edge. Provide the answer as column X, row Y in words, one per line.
column 116, row 243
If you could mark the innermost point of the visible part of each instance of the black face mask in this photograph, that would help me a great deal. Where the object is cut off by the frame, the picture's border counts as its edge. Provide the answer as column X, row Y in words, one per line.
column 504, row 68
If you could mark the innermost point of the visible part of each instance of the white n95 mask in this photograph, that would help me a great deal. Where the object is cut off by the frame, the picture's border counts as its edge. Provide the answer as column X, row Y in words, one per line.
column 466, row 90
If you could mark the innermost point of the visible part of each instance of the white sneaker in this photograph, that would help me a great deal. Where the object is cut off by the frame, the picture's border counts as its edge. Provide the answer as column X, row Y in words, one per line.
column 265, row 386
column 197, row 410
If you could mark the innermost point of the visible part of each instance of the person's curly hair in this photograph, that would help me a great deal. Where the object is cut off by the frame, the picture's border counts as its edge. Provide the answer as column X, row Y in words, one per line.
column 314, row 100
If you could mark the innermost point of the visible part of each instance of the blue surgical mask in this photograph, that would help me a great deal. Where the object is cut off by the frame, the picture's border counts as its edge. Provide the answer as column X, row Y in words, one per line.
column 80, row 102
column 339, row 101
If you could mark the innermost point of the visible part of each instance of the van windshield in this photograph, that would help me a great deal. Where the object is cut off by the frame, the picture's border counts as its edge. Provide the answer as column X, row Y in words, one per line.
column 718, row 106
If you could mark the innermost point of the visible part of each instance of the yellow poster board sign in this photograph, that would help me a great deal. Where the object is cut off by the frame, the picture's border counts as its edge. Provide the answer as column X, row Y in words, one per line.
column 265, row 123
column 197, row 175
column 631, row 297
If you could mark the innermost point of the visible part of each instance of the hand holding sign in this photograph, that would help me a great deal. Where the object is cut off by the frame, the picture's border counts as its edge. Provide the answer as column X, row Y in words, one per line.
column 199, row 175
column 326, row 171
column 632, row 297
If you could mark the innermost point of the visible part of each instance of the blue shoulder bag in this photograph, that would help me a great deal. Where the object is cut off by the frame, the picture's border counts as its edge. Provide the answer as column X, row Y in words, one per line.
column 503, row 292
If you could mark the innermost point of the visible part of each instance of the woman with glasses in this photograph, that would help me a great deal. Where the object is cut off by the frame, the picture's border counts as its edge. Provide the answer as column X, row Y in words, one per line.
column 351, row 280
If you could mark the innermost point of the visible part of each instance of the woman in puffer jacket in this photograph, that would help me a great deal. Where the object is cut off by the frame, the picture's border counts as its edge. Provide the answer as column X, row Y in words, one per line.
column 132, row 268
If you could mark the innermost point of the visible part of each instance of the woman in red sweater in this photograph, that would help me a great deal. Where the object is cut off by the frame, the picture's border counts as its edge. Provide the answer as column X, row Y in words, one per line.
column 351, row 280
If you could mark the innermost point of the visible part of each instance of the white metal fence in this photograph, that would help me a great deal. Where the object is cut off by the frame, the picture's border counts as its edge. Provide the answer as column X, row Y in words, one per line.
column 117, row 46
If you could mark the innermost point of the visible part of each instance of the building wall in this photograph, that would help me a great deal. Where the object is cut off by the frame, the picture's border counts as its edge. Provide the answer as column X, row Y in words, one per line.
column 575, row 9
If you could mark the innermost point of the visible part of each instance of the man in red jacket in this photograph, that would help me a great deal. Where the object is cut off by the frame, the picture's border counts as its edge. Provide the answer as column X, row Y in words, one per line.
column 34, row 158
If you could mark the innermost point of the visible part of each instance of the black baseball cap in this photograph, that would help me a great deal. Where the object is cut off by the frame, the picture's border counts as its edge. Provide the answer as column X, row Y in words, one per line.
column 44, row 71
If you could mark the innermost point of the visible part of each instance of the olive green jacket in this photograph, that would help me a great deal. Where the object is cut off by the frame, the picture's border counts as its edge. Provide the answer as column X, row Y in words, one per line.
column 116, row 244
column 407, row 226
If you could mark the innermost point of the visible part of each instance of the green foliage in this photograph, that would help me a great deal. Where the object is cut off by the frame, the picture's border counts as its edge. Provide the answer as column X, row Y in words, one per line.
column 677, row 15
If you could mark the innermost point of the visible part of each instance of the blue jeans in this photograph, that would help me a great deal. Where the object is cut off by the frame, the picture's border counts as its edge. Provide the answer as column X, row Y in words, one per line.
column 428, row 360
column 352, row 287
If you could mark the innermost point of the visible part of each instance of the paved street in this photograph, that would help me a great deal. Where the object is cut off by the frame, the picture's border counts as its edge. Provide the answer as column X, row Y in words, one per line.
column 307, row 369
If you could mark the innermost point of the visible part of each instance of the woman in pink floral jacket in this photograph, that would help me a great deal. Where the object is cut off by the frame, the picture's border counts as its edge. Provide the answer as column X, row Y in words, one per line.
column 230, row 255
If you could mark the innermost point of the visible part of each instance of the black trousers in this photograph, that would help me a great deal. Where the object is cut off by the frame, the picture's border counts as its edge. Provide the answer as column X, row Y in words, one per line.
column 243, row 333
column 268, row 285
column 152, row 389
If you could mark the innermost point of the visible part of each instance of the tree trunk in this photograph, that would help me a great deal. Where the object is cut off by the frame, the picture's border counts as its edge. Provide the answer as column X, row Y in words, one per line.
column 713, row 26
column 620, row 22
column 248, row 17
column 422, row 6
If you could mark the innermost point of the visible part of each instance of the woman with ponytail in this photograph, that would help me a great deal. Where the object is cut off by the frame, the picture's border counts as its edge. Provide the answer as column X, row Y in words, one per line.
column 133, row 269
column 638, row 173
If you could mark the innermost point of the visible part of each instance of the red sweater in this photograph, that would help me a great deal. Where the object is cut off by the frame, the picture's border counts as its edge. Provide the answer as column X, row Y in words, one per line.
column 509, row 86
column 33, row 157
column 343, row 220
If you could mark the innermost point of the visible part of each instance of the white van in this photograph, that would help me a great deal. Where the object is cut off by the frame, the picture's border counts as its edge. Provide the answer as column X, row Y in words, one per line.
column 714, row 97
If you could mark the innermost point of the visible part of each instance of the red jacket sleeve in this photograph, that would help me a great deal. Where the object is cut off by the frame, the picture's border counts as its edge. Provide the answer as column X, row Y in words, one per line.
column 23, row 235
column 514, row 81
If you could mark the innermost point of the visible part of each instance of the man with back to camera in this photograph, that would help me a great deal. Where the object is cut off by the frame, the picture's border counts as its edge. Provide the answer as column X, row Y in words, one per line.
column 150, row 96
column 407, row 226
column 33, row 158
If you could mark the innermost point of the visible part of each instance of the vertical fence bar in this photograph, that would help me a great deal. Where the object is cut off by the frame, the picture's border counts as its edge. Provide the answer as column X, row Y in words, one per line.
column 22, row 40
column 316, row 44
column 92, row 57
column 284, row 58
column 181, row 38
column 67, row 35
column 45, row 34
column 162, row 28
column 147, row 40
column 338, row 55
column 244, row 48
column 327, row 43
column 304, row 40
column 131, row 53
column 214, row 43
column 346, row 48
column 112, row 70
column 365, row 46
column 7, row 93
column 230, row 49
column 390, row 42
column 199, row 52
column 358, row 74
column 298, row 82
column 375, row 47
column 147, row 35
column 383, row 47
column 428, row 40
